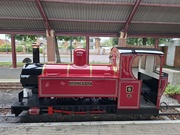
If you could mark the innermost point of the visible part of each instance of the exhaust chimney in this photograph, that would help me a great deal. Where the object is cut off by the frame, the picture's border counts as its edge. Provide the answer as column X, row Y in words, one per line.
column 35, row 53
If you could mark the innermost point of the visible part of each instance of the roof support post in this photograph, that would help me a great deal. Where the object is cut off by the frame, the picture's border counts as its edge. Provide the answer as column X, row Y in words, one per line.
column 14, row 62
column 122, row 39
column 42, row 12
column 157, row 43
column 50, row 46
column 126, row 27
column 87, row 49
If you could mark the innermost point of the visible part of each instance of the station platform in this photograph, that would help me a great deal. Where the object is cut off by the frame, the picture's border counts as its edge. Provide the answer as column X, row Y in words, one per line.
column 9, row 80
column 93, row 128
column 10, row 74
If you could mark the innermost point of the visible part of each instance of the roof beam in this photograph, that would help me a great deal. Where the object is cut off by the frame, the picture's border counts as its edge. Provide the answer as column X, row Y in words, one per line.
column 111, row 3
column 97, row 34
column 90, row 2
column 85, row 21
column 156, row 23
column 160, row 5
column 107, row 21
column 60, row 33
column 89, row 21
column 152, row 35
column 136, row 5
column 20, row 0
column 21, row 18
column 87, row 33
column 41, row 10
column 103, row 3
column 25, row 32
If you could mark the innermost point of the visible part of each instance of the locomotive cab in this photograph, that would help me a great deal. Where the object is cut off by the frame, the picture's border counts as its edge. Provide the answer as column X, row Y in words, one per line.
column 141, row 79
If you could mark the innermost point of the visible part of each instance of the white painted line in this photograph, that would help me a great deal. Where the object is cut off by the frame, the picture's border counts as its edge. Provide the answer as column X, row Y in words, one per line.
column 9, row 80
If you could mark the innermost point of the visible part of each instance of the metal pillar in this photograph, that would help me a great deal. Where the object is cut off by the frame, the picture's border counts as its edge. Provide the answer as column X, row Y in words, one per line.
column 13, row 46
column 156, row 43
column 87, row 49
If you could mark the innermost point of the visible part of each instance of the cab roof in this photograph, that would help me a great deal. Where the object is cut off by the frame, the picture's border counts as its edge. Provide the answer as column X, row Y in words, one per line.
column 127, row 50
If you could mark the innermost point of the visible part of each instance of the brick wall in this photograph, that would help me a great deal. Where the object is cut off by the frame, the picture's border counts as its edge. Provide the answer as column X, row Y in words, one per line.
column 1, row 42
column 164, row 49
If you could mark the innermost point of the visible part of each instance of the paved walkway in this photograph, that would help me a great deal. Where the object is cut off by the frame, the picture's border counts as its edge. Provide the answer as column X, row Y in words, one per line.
column 93, row 128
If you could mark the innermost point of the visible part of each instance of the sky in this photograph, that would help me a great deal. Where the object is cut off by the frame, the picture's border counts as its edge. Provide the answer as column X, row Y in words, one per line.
column 2, row 36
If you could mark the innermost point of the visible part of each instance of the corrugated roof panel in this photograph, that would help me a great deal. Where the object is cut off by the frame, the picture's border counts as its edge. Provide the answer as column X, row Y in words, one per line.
column 22, row 25
column 79, row 11
column 19, row 9
column 123, row 1
column 86, row 12
column 88, row 27
column 161, row 1
column 161, row 14
column 154, row 28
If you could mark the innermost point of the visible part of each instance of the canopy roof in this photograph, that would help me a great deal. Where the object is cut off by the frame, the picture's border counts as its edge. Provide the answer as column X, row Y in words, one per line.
column 137, row 18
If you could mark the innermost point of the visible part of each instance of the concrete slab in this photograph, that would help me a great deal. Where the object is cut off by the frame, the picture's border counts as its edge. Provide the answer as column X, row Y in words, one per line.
column 93, row 128
column 173, row 75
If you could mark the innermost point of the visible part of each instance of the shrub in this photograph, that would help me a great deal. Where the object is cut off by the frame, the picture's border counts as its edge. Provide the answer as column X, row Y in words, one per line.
column 29, row 49
column 19, row 49
column 172, row 89
column 40, row 50
column 4, row 48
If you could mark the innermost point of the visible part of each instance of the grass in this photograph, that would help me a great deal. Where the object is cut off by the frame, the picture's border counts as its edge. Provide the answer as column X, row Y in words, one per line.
column 20, row 64
column 170, row 67
column 9, row 64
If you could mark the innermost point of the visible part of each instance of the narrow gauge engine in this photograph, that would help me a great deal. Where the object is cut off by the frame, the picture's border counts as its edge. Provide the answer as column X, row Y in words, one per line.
column 132, row 83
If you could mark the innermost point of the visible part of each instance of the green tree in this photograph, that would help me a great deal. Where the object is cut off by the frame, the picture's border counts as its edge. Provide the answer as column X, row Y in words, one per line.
column 26, row 37
column 141, row 41
column 114, row 41
column 26, row 40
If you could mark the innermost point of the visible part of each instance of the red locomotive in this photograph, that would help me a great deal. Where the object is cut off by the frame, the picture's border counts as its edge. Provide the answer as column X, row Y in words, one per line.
column 132, row 83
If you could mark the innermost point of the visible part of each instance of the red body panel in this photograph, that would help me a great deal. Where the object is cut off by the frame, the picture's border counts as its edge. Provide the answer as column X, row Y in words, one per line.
column 72, row 70
column 77, row 87
column 163, row 84
column 78, row 81
column 129, row 95
column 126, row 68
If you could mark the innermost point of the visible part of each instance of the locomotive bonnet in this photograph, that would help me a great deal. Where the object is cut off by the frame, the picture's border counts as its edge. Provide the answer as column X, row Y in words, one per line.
column 132, row 83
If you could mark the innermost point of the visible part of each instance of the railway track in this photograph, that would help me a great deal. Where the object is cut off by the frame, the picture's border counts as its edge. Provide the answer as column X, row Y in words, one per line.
column 10, row 86
column 7, row 117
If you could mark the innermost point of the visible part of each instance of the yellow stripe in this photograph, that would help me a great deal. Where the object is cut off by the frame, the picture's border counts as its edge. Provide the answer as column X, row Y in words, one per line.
column 43, row 68
column 90, row 70
column 68, row 67
column 115, row 70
